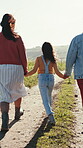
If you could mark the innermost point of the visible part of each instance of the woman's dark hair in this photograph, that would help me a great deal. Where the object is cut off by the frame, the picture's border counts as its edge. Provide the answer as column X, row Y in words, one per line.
column 47, row 50
column 6, row 29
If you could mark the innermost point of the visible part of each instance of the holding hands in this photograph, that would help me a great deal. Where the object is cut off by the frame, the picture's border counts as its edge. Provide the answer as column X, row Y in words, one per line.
column 65, row 76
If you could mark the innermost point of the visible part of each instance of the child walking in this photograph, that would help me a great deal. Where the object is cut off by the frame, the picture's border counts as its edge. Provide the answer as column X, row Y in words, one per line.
column 46, row 66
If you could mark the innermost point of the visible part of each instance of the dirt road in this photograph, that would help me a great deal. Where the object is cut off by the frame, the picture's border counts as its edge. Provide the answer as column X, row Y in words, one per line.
column 22, row 133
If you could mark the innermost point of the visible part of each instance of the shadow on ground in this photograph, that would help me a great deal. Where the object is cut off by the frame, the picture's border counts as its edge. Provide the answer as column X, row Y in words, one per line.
column 45, row 127
column 2, row 134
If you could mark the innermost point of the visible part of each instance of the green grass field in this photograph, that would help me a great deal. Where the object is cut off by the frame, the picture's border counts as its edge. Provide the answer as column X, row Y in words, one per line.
column 61, row 135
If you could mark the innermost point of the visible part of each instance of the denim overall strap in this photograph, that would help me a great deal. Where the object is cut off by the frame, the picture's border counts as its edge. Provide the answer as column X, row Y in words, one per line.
column 46, row 65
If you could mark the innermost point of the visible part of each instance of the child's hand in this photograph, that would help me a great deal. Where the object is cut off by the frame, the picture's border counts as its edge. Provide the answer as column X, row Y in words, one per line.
column 65, row 76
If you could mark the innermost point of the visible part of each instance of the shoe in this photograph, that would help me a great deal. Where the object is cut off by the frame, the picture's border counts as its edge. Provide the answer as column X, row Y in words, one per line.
column 5, row 120
column 51, row 119
column 18, row 113
column 51, row 123
column 4, row 130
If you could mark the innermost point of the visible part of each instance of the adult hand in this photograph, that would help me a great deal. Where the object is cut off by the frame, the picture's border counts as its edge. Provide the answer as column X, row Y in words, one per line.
column 26, row 74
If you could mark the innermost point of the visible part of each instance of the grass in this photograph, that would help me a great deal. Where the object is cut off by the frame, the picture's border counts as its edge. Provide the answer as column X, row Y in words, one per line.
column 61, row 135
column 31, row 80
column 61, row 65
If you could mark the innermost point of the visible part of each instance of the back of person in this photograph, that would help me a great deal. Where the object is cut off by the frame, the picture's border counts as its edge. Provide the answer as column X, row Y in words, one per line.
column 8, row 51
column 42, row 64
column 13, row 67
column 75, row 57
column 46, row 66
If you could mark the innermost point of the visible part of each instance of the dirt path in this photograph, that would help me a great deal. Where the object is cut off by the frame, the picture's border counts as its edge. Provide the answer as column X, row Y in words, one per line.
column 22, row 131
column 23, row 134
column 78, row 143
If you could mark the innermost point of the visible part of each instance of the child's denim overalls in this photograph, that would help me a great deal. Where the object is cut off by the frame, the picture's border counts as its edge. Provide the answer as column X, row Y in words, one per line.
column 46, row 83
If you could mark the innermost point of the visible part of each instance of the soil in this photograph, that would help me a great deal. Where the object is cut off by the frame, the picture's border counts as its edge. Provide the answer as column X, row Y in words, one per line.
column 25, row 132
column 78, row 112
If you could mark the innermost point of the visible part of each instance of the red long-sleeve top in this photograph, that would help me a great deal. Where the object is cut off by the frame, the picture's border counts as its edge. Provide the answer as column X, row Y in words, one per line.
column 13, row 52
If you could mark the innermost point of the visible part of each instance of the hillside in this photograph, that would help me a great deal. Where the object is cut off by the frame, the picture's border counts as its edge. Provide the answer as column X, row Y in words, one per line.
column 61, row 52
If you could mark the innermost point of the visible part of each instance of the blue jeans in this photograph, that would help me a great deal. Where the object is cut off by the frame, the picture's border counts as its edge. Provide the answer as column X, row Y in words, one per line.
column 46, row 84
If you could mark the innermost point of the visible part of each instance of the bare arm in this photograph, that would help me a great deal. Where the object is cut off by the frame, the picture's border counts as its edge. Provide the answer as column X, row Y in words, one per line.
column 57, row 71
column 34, row 69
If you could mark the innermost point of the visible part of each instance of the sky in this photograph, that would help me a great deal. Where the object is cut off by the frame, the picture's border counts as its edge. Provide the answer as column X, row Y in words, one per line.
column 37, row 21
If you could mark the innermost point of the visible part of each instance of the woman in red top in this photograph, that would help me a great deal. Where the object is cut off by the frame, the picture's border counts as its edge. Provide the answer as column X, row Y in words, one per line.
column 13, row 67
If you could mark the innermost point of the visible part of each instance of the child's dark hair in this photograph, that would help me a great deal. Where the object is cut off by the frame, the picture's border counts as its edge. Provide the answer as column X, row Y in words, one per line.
column 47, row 50
column 6, row 29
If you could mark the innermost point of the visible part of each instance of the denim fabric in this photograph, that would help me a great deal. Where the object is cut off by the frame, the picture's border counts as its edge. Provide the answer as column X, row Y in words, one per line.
column 46, row 83
column 75, row 57
column 46, row 65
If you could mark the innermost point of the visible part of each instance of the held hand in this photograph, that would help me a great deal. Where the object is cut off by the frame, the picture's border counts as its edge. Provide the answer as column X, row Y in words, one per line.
column 26, row 75
column 65, row 76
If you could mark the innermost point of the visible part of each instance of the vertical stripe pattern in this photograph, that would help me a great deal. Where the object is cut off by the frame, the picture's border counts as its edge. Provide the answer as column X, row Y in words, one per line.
column 11, row 83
